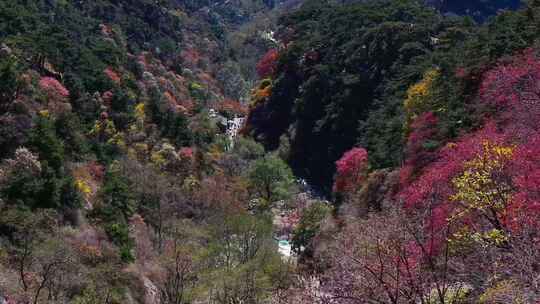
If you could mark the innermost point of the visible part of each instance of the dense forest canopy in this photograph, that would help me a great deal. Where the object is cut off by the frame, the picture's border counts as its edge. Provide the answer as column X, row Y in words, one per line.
column 269, row 152
column 479, row 9
column 343, row 76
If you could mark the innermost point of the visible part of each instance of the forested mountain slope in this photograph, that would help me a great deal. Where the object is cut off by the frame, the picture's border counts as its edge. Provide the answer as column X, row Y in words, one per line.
column 422, row 127
column 117, row 180
column 480, row 10
column 345, row 70
column 266, row 151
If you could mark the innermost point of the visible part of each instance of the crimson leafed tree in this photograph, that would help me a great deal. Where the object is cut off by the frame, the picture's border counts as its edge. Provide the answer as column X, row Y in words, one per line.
column 266, row 67
column 524, row 207
column 350, row 170
column 513, row 89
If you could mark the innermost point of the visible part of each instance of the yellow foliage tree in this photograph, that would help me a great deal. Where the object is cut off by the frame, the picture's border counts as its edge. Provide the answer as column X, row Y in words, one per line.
column 103, row 128
column 263, row 91
column 44, row 113
column 118, row 140
column 483, row 190
column 140, row 111
column 419, row 96
column 83, row 187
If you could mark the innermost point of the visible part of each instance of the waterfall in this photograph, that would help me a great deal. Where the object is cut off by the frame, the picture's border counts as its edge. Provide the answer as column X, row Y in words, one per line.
column 233, row 126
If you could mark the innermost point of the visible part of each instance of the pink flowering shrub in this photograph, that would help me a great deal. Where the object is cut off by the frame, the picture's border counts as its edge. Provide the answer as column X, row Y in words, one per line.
column 107, row 97
column 53, row 88
column 186, row 153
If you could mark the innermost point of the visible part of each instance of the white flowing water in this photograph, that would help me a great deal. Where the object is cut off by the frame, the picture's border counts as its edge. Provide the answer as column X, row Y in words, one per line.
column 285, row 248
column 233, row 127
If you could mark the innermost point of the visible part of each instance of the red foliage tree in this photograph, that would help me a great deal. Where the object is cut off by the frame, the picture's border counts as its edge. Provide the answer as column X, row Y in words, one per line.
column 112, row 75
column 351, row 169
column 435, row 181
column 513, row 90
column 430, row 196
column 266, row 67
column 524, row 207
